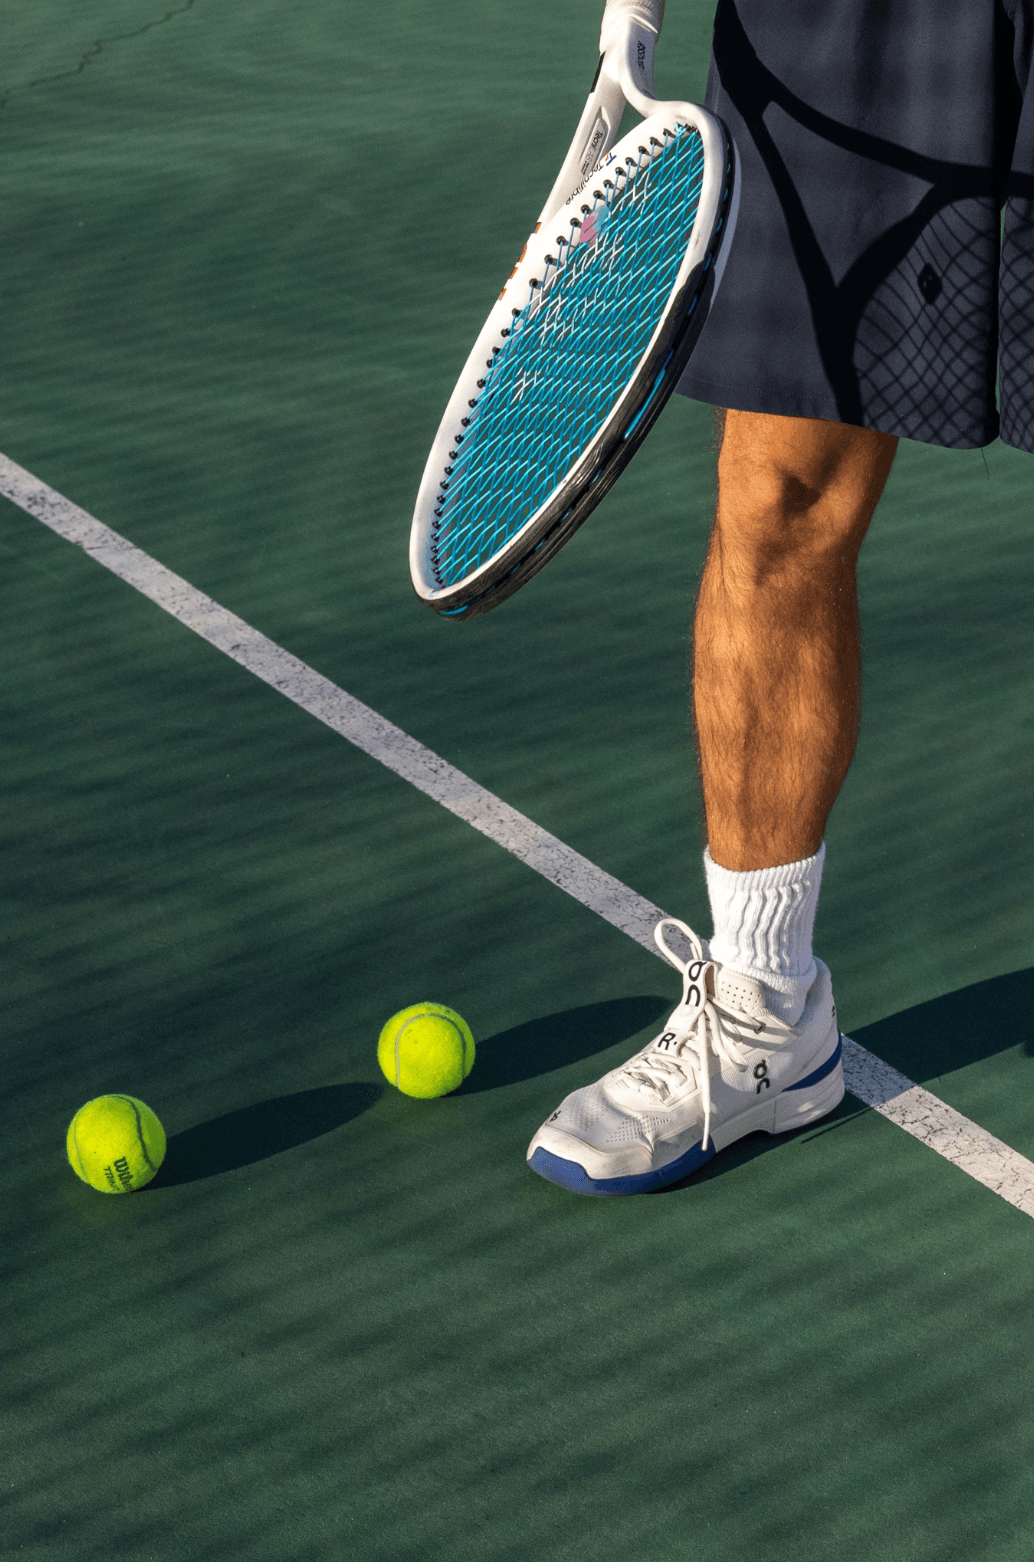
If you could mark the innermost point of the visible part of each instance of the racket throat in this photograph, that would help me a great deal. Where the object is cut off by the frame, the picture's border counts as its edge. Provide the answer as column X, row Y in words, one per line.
column 597, row 131
column 624, row 76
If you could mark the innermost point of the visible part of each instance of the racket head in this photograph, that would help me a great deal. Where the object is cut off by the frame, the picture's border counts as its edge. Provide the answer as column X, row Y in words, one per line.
column 575, row 362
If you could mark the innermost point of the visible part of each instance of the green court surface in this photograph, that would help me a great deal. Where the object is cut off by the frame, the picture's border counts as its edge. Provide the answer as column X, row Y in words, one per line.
column 243, row 251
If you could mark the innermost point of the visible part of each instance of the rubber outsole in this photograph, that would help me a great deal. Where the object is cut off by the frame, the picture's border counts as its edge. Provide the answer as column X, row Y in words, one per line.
column 824, row 1087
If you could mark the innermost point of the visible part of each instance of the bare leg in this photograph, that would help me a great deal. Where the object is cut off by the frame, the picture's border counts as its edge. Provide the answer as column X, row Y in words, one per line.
column 777, row 662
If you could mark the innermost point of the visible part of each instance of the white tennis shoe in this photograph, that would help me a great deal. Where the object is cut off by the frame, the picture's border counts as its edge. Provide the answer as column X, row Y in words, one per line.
column 722, row 1067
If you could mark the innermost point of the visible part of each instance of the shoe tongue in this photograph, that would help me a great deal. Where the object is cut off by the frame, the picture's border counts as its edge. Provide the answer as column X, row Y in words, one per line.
column 737, row 991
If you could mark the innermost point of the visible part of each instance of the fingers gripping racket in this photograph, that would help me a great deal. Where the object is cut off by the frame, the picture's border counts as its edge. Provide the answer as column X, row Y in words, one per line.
column 588, row 337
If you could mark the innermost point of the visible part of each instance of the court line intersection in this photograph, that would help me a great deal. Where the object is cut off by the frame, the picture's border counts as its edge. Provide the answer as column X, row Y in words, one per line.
column 964, row 1143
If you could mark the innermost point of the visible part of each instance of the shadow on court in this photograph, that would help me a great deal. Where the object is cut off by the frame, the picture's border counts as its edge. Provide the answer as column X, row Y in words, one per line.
column 963, row 1027
column 925, row 1042
column 543, row 1045
column 256, row 1133
column 268, row 1128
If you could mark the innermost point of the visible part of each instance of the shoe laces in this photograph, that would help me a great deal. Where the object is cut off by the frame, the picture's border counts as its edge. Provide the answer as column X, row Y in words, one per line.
column 699, row 1027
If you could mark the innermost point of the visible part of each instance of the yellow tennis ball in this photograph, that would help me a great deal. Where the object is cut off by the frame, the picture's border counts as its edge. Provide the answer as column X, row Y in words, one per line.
column 426, row 1050
column 115, row 1143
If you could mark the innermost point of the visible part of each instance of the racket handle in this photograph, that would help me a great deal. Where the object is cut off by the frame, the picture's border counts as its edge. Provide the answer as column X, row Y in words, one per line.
column 618, row 13
column 627, row 37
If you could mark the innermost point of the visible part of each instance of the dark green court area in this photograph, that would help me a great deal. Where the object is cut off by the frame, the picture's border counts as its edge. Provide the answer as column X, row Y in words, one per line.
column 243, row 252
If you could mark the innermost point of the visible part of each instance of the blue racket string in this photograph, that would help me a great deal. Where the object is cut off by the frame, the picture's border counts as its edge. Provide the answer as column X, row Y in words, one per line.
column 569, row 353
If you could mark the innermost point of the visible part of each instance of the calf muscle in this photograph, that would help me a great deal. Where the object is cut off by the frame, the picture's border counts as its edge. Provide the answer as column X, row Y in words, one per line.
column 776, row 668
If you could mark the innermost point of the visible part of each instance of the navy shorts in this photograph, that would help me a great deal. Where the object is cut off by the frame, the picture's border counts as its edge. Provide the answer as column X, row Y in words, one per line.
column 882, row 271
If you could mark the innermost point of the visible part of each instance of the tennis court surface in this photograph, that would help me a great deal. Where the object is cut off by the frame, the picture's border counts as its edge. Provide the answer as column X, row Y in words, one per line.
column 244, row 252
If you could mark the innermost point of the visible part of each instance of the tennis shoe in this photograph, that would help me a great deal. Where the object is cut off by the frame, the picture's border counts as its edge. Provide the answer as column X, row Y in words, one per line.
column 723, row 1066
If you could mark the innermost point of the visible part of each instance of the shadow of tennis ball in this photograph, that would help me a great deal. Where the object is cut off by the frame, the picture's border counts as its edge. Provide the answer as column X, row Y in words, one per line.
column 553, row 1041
column 257, row 1133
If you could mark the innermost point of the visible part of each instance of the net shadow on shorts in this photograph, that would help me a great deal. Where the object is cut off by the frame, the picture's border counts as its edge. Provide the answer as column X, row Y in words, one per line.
column 871, row 283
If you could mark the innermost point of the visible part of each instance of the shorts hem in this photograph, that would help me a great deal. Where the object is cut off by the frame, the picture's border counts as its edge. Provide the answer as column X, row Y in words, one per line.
column 719, row 393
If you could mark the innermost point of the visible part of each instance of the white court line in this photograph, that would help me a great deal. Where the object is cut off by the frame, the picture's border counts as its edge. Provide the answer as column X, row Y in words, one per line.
column 905, row 1103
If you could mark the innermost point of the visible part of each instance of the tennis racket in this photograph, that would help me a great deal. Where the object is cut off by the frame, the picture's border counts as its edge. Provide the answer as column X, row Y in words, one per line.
column 587, row 339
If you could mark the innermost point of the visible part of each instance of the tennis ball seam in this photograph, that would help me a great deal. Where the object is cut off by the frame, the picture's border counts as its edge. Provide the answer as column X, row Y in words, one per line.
column 418, row 1019
column 75, row 1142
column 139, row 1127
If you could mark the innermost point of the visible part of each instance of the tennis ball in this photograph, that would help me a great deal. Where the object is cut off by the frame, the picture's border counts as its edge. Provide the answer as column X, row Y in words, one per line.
column 426, row 1050
column 115, row 1143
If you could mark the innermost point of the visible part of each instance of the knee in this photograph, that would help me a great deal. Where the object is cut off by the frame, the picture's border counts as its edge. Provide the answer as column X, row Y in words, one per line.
column 796, row 492
column 779, row 517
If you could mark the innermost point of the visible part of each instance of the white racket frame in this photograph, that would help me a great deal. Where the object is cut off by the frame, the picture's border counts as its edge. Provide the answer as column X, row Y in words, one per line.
column 624, row 77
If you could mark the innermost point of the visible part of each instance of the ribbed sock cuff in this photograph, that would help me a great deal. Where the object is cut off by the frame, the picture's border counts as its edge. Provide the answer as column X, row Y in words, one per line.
column 764, row 920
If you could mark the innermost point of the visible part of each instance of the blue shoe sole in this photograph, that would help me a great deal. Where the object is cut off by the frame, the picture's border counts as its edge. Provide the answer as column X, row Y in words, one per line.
column 568, row 1174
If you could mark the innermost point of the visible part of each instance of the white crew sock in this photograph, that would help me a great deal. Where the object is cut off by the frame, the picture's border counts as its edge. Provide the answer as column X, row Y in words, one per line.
column 763, row 923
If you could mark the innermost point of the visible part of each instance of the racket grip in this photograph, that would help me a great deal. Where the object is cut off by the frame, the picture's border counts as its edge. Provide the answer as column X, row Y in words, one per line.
column 618, row 14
